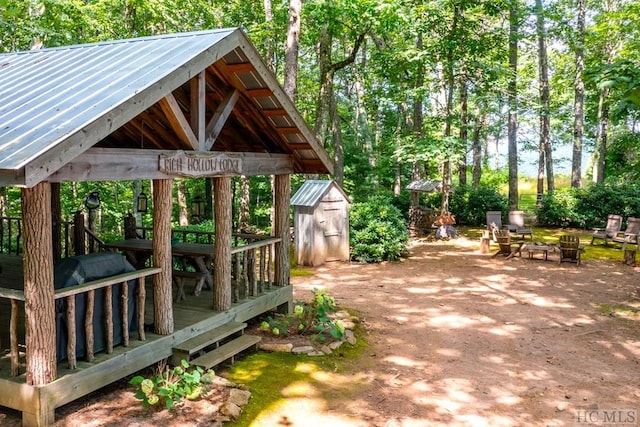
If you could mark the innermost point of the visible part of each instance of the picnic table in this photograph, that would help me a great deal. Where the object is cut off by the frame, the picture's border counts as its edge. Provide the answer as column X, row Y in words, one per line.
column 138, row 251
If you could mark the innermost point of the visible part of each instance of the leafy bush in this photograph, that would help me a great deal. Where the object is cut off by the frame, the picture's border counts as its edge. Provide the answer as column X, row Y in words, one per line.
column 558, row 209
column 378, row 231
column 588, row 207
column 308, row 318
column 469, row 205
column 169, row 385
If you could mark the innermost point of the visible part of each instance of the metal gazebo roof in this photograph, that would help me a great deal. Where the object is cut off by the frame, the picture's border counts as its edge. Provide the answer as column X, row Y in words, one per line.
column 57, row 103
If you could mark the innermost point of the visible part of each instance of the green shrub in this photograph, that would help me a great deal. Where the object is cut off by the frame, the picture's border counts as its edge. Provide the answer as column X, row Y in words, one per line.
column 168, row 385
column 589, row 207
column 378, row 231
column 308, row 318
column 469, row 205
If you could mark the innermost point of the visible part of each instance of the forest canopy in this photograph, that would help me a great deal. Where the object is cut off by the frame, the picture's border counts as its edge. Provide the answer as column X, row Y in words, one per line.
column 470, row 92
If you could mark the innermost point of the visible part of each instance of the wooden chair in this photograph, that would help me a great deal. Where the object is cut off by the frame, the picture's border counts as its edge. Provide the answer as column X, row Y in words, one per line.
column 630, row 234
column 494, row 223
column 570, row 249
column 506, row 246
column 516, row 225
column 614, row 223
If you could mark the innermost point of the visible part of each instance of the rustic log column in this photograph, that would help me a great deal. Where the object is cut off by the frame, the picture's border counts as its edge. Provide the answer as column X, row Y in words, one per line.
column 79, row 244
column 282, row 185
column 38, row 285
column 162, row 301
column 222, row 255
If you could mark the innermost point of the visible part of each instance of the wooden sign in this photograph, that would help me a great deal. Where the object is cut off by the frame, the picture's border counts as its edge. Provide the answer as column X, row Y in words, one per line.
column 199, row 164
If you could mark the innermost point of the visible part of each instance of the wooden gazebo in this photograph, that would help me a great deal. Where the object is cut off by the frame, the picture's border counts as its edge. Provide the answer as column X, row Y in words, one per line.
column 199, row 104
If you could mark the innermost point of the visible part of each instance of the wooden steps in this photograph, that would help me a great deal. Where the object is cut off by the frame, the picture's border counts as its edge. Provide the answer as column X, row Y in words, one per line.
column 226, row 351
column 214, row 346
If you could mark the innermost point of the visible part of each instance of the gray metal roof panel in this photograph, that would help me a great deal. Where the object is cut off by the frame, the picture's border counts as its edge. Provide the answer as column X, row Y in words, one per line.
column 312, row 191
column 41, row 106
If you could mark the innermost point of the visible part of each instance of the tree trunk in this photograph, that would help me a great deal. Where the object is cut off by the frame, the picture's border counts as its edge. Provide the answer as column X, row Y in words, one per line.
column 183, row 207
column 578, row 103
column 543, row 70
column 39, row 295
column 326, row 85
column 464, row 134
column 162, row 257
column 56, row 218
column 602, row 135
column 292, row 49
column 222, row 255
column 338, row 143
column 245, row 198
column 281, row 228
column 512, row 93
column 268, row 20
column 476, row 144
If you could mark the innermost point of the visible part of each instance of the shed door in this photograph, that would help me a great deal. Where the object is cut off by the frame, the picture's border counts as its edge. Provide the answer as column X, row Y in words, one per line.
column 333, row 230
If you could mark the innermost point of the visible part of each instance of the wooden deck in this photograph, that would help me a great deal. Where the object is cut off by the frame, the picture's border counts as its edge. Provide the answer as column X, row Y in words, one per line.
column 192, row 317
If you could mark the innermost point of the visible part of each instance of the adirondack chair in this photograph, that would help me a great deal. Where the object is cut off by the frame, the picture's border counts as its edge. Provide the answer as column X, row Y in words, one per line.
column 614, row 223
column 630, row 234
column 494, row 223
column 516, row 225
column 570, row 248
column 506, row 246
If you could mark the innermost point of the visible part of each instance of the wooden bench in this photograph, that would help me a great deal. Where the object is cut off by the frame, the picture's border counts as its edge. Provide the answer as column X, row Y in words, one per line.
column 179, row 276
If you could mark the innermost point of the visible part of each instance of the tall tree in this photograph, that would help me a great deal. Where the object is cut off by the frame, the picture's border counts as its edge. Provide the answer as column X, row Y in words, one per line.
column 292, row 49
column 545, row 119
column 512, row 94
column 578, row 103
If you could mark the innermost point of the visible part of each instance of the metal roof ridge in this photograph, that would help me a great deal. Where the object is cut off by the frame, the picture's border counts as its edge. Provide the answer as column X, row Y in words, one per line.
column 123, row 41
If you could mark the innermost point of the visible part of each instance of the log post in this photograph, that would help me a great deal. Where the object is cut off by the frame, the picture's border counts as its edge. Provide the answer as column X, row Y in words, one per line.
column 38, row 287
column 222, row 255
column 282, row 184
column 629, row 257
column 130, row 231
column 79, row 245
column 485, row 242
column 162, row 287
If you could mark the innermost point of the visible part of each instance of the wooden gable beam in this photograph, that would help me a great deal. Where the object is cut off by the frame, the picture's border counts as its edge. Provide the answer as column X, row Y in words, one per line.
column 215, row 125
column 178, row 121
column 198, row 108
column 240, row 67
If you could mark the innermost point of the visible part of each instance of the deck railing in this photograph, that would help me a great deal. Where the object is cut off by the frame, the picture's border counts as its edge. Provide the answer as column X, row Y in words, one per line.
column 69, row 296
column 252, row 270
column 71, row 242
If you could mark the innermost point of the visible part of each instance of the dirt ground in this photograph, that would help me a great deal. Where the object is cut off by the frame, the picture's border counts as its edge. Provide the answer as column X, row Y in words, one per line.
column 457, row 338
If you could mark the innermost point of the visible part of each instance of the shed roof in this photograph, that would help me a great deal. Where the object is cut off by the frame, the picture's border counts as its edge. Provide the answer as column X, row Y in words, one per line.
column 313, row 190
column 57, row 103
column 425, row 185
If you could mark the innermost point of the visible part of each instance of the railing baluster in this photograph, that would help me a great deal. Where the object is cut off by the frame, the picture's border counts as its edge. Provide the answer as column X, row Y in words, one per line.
column 245, row 275
column 263, row 254
column 125, row 314
column 108, row 313
column 253, row 283
column 142, row 292
column 88, row 324
column 13, row 334
column 71, row 331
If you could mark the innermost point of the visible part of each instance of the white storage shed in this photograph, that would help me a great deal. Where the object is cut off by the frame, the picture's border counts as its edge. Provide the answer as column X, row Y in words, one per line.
column 321, row 223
